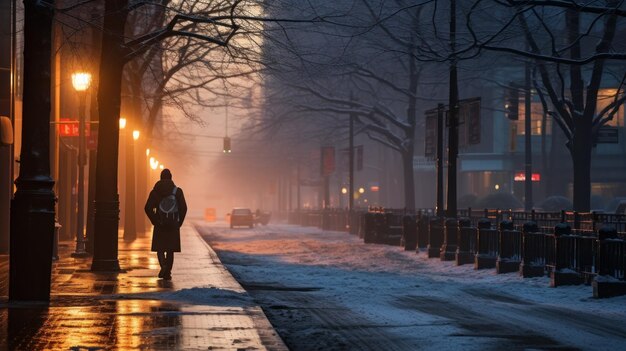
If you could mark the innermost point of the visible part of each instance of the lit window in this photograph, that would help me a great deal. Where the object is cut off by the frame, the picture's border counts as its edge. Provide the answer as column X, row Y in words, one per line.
column 605, row 98
column 536, row 117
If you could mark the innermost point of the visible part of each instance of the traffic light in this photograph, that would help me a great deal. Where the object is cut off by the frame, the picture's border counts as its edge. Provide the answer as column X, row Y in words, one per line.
column 226, row 145
column 511, row 103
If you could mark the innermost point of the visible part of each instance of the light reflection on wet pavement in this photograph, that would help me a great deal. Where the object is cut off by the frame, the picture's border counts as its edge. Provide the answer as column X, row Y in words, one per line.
column 202, row 308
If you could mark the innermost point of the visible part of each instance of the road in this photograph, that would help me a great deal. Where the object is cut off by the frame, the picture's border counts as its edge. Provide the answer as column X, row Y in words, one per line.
column 329, row 291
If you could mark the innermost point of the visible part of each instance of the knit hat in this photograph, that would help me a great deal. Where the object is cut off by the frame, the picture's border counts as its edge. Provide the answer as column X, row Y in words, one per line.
column 166, row 174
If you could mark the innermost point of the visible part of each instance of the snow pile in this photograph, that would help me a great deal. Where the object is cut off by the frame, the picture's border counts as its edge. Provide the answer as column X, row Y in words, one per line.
column 408, row 294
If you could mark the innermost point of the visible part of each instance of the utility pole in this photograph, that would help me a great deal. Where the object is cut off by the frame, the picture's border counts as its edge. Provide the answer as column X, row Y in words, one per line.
column 453, row 132
column 528, row 147
column 439, row 164
column 351, row 168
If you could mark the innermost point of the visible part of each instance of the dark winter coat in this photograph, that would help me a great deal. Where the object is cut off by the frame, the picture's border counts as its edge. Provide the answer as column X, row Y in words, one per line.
column 165, row 239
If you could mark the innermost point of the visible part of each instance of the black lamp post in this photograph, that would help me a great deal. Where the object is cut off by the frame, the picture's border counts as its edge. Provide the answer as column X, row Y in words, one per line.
column 32, row 208
column 81, row 82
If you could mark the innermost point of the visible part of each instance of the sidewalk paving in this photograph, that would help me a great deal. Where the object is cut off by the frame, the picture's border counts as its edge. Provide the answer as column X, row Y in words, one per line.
column 201, row 308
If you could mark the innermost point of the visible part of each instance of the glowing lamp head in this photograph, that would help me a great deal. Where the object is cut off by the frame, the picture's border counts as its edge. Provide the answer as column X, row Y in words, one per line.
column 154, row 163
column 361, row 190
column 147, row 152
column 136, row 134
column 344, row 190
column 81, row 81
column 161, row 166
column 122, row 122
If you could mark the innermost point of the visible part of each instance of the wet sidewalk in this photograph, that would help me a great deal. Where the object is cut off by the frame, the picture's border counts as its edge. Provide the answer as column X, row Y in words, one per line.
column 201, row 308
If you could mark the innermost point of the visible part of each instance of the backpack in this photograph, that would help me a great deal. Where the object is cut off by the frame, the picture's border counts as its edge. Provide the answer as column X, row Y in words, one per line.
column 168, row 211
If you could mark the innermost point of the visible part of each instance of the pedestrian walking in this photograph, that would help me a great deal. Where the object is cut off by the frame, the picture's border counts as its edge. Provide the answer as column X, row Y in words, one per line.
column 166, row 208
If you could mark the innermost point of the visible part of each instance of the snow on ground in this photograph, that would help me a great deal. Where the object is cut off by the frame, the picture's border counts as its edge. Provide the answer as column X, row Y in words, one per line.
column 329, row 290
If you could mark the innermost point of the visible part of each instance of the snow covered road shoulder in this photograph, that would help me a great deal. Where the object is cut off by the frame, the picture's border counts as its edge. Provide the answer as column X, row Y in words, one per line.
column 329, row 290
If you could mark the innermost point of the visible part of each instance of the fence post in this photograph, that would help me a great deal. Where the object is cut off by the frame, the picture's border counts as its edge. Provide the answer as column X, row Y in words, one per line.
column 611, row 260
column 509, row 252
column 466, row 242
column 533, row 251
column 448, row 248
column 564, row 256
column 435, row 236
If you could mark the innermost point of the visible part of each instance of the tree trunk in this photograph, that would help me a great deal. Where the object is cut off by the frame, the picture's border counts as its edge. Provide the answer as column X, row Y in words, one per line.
column 581, row 158
column 109, row 96
column 409, row 181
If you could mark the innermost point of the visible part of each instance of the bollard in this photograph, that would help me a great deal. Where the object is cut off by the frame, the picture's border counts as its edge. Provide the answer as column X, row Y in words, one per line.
column 435, row 236
column 369, row 229
column 510, row 248
column 533, row 251
column 422, row 232
column 487, row 248
column 448, row 247
column 409, row 233
column 563, row 257
column 611, row 258
column 466, row 242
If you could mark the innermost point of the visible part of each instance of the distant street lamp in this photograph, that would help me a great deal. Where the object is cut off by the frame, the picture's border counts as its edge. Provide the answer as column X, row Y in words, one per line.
column 161, row 166
column 122, row 122
column 135, row 134
column 147, row 152
column 81, row 82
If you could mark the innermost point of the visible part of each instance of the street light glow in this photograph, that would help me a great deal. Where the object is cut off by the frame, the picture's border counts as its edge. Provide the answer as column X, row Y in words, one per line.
column 147, row 152
column 361, row 190
column 135, row 134
column 122, row 122
column 81, row 81
column 161, row 166
column 344, row 190
column 154, row 163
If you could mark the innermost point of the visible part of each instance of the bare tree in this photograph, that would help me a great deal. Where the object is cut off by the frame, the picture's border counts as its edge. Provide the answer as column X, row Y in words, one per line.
column 560, row 40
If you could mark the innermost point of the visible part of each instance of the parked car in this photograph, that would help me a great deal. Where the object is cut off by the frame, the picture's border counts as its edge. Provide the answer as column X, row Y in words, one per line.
column 240, row 217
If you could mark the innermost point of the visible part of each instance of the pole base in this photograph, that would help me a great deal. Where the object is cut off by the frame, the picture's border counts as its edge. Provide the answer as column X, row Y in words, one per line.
column 105, row 266
column 463, row 257
column 433, row 251
column 608, row 287
column 505, row 266
column 80, row 254
column 484, row 262
column 531, row 271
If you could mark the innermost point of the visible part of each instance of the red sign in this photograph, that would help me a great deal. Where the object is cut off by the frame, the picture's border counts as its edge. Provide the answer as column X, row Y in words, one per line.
column 68, row 128
column 521, row 176
column 328, row 160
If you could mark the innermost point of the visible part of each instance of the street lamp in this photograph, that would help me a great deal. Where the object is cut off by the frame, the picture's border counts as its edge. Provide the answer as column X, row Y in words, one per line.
column 147, row 152
column 122, row 122
column 81, row 82
column 135, row 134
